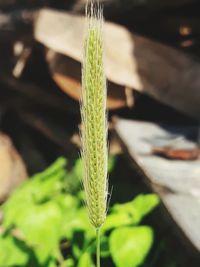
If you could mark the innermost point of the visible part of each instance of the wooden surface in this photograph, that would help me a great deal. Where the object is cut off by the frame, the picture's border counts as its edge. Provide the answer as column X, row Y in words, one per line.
column 132, row 61
column 176, row 181
column 66, row 72
column 13, row 170
column 125, row 4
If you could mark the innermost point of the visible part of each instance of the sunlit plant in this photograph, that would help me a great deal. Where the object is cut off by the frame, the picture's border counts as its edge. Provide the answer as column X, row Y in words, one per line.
column 94, row 121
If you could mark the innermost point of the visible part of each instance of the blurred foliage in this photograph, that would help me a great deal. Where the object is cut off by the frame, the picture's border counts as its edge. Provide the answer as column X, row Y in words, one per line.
column 45, row 224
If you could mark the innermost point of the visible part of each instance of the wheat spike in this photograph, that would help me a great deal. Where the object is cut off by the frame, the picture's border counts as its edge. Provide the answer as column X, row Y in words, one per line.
column 94, row 119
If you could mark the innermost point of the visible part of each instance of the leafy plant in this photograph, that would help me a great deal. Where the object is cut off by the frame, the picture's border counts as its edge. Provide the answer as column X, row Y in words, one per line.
column 130, row 245
column 45, row 224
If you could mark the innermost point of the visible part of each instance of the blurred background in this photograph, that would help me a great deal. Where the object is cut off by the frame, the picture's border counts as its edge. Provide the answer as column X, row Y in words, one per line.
column 152, row 58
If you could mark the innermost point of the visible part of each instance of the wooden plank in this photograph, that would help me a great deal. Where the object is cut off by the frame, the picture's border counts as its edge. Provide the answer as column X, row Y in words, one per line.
column 180, row 178
column 185, row 212
column 13, row 170
column 127, row 4
column 132, row 61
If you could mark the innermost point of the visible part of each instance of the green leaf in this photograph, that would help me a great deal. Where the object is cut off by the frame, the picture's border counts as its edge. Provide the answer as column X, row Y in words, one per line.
column 85, row 260
column 105, row 250
column 12, row 252
column 77, row 223
column 69, row 263
column 73, row 181
column 111, row 163
column 129, row 246
column 130, row 213
column 54, row 168
column 115, row 220
column 68, row 203
column 137, row 209
column 41, row 226
column 40, row 210
column 78, row 244
column 53, row 264
column 78, row 169
column 39, row 188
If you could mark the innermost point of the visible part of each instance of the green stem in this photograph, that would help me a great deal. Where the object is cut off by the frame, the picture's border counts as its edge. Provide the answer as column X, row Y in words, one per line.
column 98, row 247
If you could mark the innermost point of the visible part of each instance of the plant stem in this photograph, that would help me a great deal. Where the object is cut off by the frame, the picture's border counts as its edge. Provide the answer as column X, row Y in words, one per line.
column 98, row 250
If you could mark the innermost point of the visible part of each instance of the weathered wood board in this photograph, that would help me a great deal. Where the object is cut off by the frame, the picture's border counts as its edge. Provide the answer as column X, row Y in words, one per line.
column 125, row 4
column 13, row 170
column 132, row 61
column 176, row 181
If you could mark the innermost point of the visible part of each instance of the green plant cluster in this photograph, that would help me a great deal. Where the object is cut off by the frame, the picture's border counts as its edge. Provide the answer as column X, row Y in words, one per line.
column 45, row 224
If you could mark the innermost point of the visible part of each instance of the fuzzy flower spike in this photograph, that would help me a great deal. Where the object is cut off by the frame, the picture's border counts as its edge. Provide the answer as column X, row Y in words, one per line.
column 94, row 119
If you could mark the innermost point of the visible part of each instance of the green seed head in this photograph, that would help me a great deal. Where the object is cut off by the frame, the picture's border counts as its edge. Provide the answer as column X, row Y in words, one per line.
column 94, row 119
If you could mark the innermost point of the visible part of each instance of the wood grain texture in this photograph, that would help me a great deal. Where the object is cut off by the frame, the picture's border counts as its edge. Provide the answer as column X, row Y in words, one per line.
column 176, row 181
column 127, row 4
column 162, row 72
column 66, row 72
column 12, row 171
